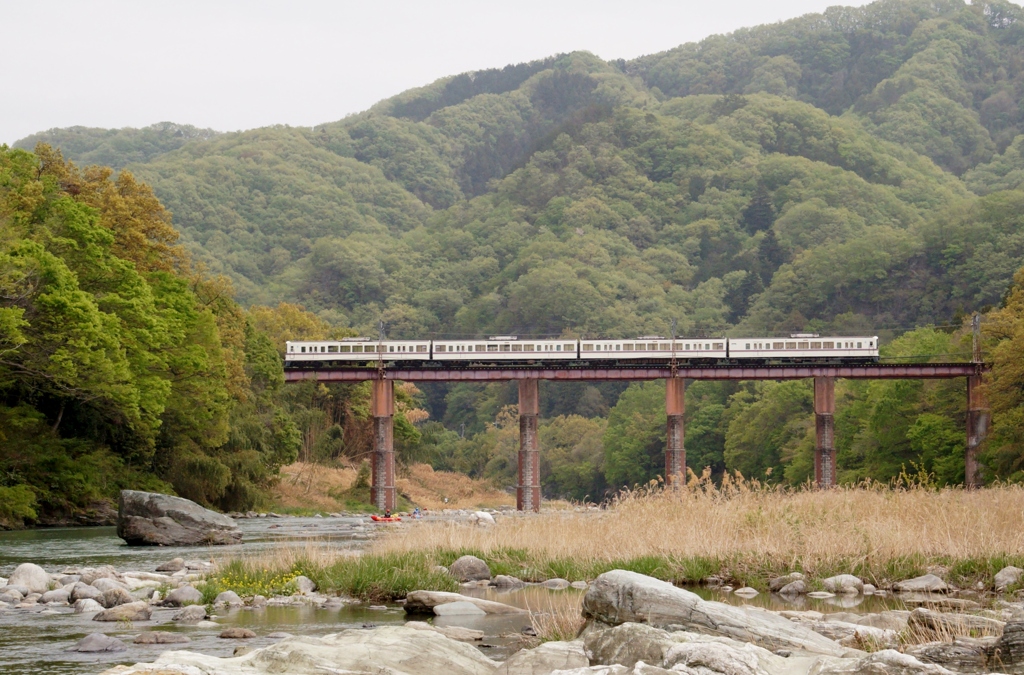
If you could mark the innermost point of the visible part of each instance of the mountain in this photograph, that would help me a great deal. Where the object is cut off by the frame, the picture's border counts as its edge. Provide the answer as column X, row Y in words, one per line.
column 857, row 170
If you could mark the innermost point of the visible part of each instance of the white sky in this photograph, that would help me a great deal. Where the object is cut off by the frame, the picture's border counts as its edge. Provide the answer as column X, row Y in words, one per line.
column 237, row 65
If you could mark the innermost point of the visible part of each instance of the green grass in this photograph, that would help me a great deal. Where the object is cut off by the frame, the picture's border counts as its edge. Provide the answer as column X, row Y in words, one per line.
column 388, row 577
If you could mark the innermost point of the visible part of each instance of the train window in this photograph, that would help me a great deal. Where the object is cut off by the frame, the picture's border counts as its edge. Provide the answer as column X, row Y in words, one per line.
column 481, row 348
column 589, row 348
column 858, row 345
column 439, row 348
column 527, row 348
column 421, row 348
column 871, row 344
column 778, row 345
column 345, row 349
column 719, row 345
column 815, row 345
column 492, row 348
column 359, row 348
column 517, row 348
column 569, row 348
column 664, row 346
column 627, row 347
column 558, row 348
column 303, row 350
column 391, row 348
column 332, row 349
column 804, row 345
column 506, row 348
column 748, row 345
column 828, row 345
column 790, row 345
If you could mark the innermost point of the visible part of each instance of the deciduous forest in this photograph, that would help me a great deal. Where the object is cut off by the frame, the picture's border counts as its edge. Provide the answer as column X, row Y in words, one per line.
column 859, row 171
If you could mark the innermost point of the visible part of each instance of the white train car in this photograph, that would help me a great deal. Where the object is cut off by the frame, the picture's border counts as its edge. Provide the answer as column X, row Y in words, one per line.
column 356, row 350
column 804, row 346
column 505, row 348
column 652, row 347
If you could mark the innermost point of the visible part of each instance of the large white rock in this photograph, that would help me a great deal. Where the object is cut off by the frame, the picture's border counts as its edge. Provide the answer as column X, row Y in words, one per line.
column 885, row 662
column 619, row 596
column 460, row 608
column 929, row 583
column 394, row 650
column 844, row 584
column 1006, row 577
column 545, row 658
column 31, row 576
column 470, row 568
column 424, row 602
column 150, row 518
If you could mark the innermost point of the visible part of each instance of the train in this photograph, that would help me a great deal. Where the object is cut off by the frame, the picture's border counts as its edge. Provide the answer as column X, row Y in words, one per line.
column 511, row 349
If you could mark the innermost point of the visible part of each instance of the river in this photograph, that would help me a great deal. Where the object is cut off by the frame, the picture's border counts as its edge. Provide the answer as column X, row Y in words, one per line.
column 38, row 640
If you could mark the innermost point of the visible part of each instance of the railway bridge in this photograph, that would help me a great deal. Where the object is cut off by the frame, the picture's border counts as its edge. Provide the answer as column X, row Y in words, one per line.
column 528, row 495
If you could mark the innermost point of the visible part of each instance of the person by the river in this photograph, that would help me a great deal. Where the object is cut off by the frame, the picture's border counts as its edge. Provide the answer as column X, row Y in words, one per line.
column 387, row 513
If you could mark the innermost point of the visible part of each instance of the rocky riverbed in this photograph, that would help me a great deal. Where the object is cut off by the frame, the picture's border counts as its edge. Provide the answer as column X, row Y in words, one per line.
column 121, row 606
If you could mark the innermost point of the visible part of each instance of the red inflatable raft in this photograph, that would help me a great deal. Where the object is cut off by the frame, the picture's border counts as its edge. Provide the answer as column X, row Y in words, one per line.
column 382, row 519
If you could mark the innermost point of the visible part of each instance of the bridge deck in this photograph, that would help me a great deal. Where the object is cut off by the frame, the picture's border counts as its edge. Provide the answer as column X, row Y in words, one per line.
column 872, row 371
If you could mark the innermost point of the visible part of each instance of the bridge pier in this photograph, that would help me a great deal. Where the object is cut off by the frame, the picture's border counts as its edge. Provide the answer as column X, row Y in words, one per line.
column 528, row 488
column 978, row 418
column 824, row 424
column 675, row 450
column 382, row 461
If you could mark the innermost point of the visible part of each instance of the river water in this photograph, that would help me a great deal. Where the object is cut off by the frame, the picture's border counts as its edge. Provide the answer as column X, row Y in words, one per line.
column 38, row 640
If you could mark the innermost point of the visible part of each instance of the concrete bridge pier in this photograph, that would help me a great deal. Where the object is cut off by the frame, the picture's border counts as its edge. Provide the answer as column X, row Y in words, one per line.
column 978, row 418
column 382, row 461
column 824, row 423
column 675, row 450
column 528, row 488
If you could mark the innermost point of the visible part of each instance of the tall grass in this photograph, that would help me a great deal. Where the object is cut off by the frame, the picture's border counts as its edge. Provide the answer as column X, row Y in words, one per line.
column 748, row 532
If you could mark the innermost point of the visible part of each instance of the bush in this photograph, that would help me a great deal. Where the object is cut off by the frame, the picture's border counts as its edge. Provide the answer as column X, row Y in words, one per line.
column 17, row 505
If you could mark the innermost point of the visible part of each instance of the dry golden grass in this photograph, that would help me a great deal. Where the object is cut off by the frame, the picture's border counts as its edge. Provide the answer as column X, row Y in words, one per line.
column 428, row 489
column 872, row 530
column 308, row 486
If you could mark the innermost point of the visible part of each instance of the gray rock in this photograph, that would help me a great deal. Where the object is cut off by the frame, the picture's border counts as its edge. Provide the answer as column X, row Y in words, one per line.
column 149, row 518
column 69, row 579
column 869, row 589
column 885, row 662
column 59, row 596
column 460, row 608
column 470, row 568
column 746, row 591
column 258, row 602
column 159, row 637
column 82, row 591
column 424, row 602
column 229, row 598
column 87, row 605
column 453, row 632
column 91, row 574
column 962, row 655
column 98, row 642
column 778, row 583
column 190, row 614
column 182, row 596
column 546, row 658
column 11, row 596
column 505, row 581
column 556, row 584
column 580, row 585
column 236, row 633
column 133, row 611
column 105, row 584
column 1007, row 577
column 1009, row 648
column 23, row 591
column 175, row 565
column 843, row 584
column 798, row 587
column 115, row 597
column 304, row 585
column 33, row 577
column 929, row 583
column 619, row 596
column 945, row 623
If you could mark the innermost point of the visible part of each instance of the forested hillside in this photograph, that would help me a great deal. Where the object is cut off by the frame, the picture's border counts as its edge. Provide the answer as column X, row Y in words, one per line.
column 854, row 171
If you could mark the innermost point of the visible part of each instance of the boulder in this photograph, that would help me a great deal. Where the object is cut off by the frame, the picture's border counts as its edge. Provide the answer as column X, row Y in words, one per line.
column 556, row 584
column 229, row 598
column 237, row 633
column 628, row 643
column 460, row 608
column 115, row 597
column 82, row 591
column 482, row 518
column 619, row 596
column 548, row 657
column 962, row 655
column 105, row 584
column 91, row 574
column 1009, row 648
column 160, row 637
column 87, row 605
column 843, row 584
column 945, row 623
column 929, row 583
column 98, row 642
column 60, row 596
column 746, row 591
column 11, row 596
column 505, row 581
column 133, row 611
column 453, row 632
column 1006, row 577
column 424, row 602
column 175, row 565
column 775, row 585
column 885, row 662
column 798, row 587
column 395, row 650
column 149, row 518
column 470, row 568
column 33, row 577
column 182, row 596
column 304, row 585
column 190, row 614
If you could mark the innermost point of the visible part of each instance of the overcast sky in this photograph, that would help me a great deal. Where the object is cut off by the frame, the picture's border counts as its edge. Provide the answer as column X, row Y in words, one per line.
column 239, row 65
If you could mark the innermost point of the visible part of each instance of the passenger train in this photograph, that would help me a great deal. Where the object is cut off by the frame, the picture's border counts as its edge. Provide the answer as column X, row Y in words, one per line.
column 510, row 349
